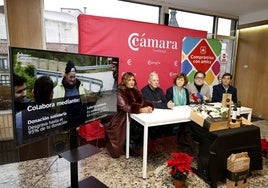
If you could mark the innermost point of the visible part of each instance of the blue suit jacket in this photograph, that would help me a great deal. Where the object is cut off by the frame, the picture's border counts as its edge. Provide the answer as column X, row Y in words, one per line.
column 218, row 90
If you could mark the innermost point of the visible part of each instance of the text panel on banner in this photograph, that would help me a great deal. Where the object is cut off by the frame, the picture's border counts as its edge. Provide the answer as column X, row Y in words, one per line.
column 199, row 54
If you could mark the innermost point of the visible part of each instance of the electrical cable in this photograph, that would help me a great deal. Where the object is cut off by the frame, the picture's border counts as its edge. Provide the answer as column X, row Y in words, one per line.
column 43, row 175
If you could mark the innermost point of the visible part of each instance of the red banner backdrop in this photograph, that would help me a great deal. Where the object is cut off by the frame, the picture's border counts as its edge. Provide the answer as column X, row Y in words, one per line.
column 141, row 47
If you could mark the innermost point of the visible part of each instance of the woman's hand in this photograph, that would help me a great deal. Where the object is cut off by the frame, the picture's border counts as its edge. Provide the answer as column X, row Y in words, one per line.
column 147, row 109
column 170, row 104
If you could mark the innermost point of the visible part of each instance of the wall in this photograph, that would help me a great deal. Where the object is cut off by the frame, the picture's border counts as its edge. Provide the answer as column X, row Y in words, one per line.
column 25, row 23
column 251, row 71
column 3, row 32
column 25, row 29
column 60, row 27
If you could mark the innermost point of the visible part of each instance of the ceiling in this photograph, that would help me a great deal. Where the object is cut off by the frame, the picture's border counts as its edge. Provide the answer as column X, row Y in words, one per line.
column 246, row 11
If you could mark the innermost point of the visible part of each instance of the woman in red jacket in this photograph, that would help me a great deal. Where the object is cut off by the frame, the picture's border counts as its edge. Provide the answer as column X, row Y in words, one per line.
column 129, row 100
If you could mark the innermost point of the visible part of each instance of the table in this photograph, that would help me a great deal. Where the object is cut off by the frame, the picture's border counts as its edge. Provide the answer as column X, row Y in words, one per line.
column 163, row 117
column 247, row 111
column 215, row 147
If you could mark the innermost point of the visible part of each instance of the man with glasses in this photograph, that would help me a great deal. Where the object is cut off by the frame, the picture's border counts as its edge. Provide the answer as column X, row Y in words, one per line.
column 198, row 90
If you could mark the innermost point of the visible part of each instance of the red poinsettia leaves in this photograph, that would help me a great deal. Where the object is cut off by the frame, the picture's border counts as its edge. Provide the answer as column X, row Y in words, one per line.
column 264, row 147
column 180, row 163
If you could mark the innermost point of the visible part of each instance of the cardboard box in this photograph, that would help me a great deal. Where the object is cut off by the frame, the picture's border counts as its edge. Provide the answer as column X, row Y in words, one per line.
column 238, row 162
column 238, row 170
column 211, row 124
column 235, row 125
column 197, row 118
column 238, row 184
column 240, row 122
column 245, row 122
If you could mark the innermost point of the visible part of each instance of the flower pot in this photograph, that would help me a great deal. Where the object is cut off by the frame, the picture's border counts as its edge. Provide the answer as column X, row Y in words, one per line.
column 178, row 183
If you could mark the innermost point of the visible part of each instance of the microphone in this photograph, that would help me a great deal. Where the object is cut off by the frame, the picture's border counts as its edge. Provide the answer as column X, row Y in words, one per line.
column 200, row 96
column 195, row 97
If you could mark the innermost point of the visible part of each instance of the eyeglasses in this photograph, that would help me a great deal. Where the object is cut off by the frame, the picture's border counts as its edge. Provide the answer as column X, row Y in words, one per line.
column 199, row 78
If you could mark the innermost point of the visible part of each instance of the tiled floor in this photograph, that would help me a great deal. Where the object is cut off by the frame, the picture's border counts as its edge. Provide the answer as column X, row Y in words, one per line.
column 54, row 172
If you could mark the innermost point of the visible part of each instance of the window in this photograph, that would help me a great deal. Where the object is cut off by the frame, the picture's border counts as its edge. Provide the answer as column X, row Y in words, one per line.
column 226, row 31
column 226, row 27
column 3, row 65
column 3, row 26
column 61, row 17
column 4, row 80
column 109, row 8
column 194, row 21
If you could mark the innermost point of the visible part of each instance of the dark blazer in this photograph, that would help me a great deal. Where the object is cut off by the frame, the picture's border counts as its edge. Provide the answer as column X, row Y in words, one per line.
column 218, row 90
column 157, row 96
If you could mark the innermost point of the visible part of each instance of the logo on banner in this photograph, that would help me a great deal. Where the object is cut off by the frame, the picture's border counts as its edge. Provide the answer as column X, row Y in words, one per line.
column 129, row 62
column 203, row 50
column 136, row 41
column 202, row 57
column 153, row 62
column 172, row 74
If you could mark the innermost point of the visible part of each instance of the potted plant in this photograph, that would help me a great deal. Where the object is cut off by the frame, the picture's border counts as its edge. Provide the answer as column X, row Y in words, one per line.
column 180, row 165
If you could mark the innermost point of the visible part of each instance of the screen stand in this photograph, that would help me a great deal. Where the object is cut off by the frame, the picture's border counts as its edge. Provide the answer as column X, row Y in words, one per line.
column 73, row 165
column 76, row 154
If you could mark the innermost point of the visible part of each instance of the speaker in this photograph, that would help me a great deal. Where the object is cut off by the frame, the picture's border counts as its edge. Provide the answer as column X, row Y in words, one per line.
column 226, row 100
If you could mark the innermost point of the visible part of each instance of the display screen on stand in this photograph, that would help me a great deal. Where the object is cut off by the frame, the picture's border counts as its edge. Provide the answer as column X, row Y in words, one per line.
column 54, row 91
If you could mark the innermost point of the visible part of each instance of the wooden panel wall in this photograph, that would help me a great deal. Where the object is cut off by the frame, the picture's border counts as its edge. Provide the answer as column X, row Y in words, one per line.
column 25, row 29
column 251, row 74
column 25, row 23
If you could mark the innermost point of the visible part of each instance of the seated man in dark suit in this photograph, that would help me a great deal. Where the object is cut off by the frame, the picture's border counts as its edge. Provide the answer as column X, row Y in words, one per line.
column 224, row 87
column 152, row 92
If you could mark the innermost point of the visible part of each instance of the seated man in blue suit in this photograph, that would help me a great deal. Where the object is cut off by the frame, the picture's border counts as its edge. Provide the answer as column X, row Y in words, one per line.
column 224, row 87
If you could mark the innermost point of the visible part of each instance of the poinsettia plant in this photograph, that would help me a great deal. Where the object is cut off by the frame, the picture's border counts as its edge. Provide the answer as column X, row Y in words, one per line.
column 180, row 165
column 264, row 147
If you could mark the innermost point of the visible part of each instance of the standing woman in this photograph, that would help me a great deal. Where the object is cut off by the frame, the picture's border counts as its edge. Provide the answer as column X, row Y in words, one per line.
column 129, row 100
column 178, row 94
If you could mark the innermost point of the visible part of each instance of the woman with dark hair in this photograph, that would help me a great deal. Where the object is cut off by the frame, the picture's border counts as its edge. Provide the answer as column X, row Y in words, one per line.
column 177, row 93
column 129, row 100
